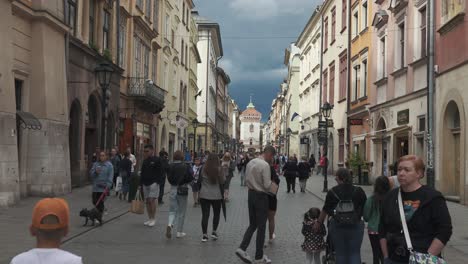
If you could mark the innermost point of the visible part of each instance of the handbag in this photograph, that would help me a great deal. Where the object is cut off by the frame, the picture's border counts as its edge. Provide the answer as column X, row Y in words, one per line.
column 118, row 184
column 138, row 205
column 415, row 257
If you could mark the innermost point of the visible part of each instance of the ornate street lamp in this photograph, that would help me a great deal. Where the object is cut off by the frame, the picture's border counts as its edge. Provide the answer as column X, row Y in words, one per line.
column 104, row 73
column 326, row 112
column 195, row 125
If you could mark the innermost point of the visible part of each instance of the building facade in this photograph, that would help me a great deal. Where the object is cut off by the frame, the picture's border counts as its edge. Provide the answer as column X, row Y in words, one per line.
column 250, row 128
column 34, row 119
column 211, row 50
column 222, row 117
column 451, row 100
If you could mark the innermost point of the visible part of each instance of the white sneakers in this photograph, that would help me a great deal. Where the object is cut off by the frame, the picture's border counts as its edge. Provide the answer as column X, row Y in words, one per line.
column 272, row 238
column 180, row 234
column 264, row 260
column 150, row 223
column 244, row 256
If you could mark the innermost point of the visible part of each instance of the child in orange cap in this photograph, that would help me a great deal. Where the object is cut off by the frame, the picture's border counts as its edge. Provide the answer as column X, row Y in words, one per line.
column 50, row 221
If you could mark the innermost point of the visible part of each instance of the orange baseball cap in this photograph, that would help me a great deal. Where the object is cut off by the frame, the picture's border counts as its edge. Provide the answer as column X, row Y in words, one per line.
column 51, row 206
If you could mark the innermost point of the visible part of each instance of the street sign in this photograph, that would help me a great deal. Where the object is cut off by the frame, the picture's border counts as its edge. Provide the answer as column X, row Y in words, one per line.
column 305, row 141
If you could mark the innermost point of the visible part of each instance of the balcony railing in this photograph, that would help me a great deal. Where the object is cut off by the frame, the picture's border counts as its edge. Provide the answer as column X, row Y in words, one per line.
column 145, row 91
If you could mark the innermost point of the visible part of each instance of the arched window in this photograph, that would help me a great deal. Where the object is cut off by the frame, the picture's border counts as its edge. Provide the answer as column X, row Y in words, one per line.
column 251, row 128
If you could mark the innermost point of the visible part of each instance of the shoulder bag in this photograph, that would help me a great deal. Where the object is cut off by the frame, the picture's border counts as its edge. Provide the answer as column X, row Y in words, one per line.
column 415, row 257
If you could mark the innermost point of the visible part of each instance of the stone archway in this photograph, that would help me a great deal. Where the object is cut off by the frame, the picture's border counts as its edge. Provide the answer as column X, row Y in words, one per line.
column 451, row 151
column 74, row 141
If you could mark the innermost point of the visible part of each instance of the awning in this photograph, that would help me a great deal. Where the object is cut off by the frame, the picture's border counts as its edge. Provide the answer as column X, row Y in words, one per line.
column 28, row 120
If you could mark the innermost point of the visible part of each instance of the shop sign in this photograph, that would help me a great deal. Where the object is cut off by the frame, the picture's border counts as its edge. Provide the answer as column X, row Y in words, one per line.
column 355, row 122
column 403, row 117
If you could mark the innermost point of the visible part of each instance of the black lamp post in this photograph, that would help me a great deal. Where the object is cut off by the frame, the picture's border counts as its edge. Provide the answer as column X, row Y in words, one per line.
column 104, row 73
column 326, row 112
column 195, row 125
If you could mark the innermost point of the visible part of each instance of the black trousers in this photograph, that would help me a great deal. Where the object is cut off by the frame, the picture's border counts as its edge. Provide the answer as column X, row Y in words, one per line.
column 291, row 183
column 206, row 207
column 376, row 250
column 258, row 215
column 161, row 190
column 100, row 206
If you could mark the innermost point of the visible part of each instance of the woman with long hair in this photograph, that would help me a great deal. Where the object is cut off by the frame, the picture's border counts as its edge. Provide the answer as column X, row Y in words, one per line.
column 211, row 194
column 372, row 215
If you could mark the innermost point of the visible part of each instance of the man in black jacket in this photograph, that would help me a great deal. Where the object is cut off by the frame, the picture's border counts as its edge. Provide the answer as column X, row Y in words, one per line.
column 151, row 178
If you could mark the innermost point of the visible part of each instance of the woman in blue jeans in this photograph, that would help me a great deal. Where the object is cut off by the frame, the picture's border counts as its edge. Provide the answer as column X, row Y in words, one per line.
column 346, row 237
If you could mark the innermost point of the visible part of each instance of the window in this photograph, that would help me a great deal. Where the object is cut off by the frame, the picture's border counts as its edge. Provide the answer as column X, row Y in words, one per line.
column 382, row 58
column 343, row 76
column 19, row 94
column 155, row 65
column 148, row 9
column 122, row 40
column 343, row 14
column 71, row 15
column 186, row 56
column 182, row 50
column 325, row 41
column 106, row 30
column 174, row 82
column 422, row 124
column 401, row 35
column 251, row 130
column 422, row 15
column 166, row 76
column 167, row 26
column 324, row 88
column 91, row 21
column 341, row 145
column 363, row 92
column 331, row 96
column 181, row 98
column 364, row 15
column 333, row 25
column 155, row 14
column 355, row 26
column 139, row 3
column 146, row 62
column 355, row 82
column 183, row 12
column 137, row 62
column 188, row 15
column 173, row 39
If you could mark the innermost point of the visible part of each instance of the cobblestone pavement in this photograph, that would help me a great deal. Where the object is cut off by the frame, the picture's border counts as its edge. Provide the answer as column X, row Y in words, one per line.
column 126, row 240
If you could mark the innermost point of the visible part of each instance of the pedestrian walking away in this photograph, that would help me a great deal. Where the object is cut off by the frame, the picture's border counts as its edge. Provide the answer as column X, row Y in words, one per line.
column 312, row 162
column 196, row 176
column 304, row 173
column 125, row 173
column 228, row 166
column 164, row 156
column 50, row 224
column 419, row 208
column 102, row 175
column 314, row 242
column 272, row 206
column 344, row 203
column 211, row 181
column 371, row 215
column 179, row 176
column 115, row 161
column 291, row 172
column 258, row 176
column 151, row 178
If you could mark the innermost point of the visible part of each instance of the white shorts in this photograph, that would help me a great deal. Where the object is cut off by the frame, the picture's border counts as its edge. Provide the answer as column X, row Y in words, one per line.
column 151, row 191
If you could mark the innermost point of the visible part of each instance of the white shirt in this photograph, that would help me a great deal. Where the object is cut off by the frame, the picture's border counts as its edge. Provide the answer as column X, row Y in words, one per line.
column 258, row 175
column 46, row 256
column 133, row 160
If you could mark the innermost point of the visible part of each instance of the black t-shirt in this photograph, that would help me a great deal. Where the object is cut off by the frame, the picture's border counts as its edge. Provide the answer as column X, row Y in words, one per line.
column 412, row 201
column 345, row 192
column 126, row 165
column 151, row 171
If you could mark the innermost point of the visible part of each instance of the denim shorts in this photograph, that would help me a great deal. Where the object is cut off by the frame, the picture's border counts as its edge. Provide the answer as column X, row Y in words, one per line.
column 151, row 191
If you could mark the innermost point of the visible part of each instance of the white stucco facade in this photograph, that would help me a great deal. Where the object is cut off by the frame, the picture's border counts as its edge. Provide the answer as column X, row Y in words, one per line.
column 250, row 128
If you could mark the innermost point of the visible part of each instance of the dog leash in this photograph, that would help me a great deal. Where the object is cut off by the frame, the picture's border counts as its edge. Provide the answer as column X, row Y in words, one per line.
column 102, row 197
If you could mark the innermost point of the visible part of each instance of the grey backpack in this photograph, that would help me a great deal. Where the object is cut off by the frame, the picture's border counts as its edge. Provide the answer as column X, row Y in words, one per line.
column 345, row 213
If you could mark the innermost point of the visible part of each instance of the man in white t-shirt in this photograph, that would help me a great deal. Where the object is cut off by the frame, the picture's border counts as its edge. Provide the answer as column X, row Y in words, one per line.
column 132, row 159
column 50, row 222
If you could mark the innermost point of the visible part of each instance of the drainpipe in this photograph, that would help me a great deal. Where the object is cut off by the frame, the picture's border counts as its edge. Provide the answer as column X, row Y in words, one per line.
column 430, row 95
column 348, row 105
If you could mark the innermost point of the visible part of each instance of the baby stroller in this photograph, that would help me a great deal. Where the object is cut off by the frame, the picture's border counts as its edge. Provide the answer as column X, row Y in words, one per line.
column 329, row 257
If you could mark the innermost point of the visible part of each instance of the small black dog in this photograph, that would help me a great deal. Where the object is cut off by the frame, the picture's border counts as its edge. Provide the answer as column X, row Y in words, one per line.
column 92, row 215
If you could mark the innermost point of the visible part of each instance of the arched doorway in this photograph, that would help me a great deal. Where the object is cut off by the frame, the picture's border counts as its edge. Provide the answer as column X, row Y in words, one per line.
column 382, row 148
column 451, row 166
column 93, row 131
column 74, row 141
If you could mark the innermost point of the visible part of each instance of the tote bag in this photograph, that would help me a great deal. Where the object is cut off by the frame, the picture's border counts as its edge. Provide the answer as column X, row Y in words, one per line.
column 138, row 205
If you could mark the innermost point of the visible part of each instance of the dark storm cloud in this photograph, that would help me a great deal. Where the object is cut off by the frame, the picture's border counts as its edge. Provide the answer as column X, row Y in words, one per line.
column 255, row 34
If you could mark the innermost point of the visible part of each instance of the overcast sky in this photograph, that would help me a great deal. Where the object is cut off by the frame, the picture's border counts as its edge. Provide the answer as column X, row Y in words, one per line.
column 255, row 34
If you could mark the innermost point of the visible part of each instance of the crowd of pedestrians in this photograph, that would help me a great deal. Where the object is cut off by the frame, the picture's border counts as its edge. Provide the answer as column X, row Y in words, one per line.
column 406, row 220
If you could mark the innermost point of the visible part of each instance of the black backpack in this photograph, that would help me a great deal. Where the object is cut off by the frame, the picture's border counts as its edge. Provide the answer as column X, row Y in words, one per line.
column 345, row 213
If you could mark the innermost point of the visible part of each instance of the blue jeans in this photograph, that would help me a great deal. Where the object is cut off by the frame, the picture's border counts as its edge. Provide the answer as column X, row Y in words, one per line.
column 177, row 209
column 242, row 176
column 347, row 242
